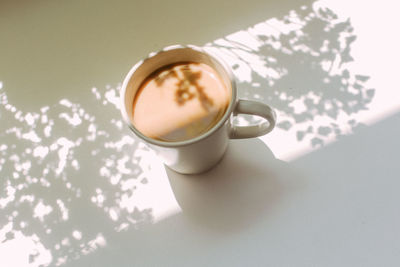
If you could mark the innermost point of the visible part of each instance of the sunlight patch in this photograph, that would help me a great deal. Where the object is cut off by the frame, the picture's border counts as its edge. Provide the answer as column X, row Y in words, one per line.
column 41, row 210
column 40, row 151
column 24, row 251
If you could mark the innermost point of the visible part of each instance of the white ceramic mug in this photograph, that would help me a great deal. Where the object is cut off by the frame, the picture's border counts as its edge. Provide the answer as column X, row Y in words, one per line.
column 200, row 153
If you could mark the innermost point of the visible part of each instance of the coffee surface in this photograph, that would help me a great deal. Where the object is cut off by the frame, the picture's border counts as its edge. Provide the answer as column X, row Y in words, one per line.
column 180, row 101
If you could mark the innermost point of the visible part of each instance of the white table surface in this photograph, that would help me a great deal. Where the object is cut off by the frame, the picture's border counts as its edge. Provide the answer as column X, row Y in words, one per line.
column 78, row 189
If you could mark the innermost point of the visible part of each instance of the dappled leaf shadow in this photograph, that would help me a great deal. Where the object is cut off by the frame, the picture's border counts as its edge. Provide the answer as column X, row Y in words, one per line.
column 299, row 65
column 187, row 86
column 69, row 176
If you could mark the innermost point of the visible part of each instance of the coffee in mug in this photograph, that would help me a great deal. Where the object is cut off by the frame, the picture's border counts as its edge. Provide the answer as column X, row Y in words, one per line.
column 180, row 101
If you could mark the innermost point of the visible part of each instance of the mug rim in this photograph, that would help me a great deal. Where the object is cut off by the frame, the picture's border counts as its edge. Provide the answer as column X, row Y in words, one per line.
column 200, row 137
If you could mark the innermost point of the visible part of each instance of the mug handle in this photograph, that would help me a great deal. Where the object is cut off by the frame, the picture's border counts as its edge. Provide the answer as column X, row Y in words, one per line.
column 253, row 108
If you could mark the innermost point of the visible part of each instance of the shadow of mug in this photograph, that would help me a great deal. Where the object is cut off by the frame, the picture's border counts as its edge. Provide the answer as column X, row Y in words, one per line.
column 244, row 187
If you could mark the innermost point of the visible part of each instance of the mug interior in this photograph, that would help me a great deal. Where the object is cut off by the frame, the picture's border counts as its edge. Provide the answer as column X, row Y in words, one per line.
column 167, row 56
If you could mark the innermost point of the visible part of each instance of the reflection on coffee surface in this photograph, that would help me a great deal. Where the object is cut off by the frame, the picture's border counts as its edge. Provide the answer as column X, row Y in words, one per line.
column 180, row 101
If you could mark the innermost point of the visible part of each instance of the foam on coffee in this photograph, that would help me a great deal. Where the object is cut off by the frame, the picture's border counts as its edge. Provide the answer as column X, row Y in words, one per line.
column 180, row 101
